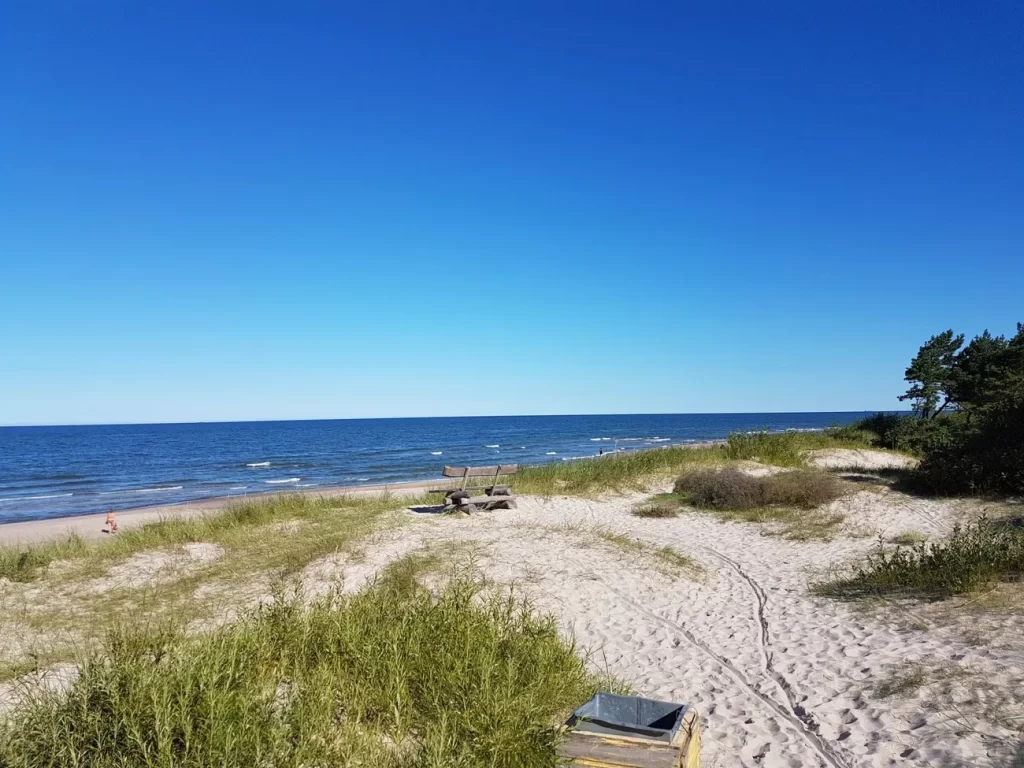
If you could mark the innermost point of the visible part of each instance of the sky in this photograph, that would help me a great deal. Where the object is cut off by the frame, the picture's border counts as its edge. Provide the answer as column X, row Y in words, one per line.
column 232, row 211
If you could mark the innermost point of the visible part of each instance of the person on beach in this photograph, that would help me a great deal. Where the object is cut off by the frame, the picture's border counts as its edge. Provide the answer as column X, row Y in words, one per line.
column 111, row 522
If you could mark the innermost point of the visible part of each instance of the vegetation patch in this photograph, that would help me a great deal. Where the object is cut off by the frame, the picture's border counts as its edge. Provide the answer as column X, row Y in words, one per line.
column 253, row 526
column 669, row 560
column 978, row 554
column 390, row 676
column 790, row 501
column 733, row 489
column 788, row 449
column 662, row 505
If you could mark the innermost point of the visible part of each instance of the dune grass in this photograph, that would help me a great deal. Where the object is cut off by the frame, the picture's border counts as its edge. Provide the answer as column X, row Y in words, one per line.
column 390, row 676
column 973, row 556
column 634, row 471
column 787, row 449
column 243, row 525
column 790, row 501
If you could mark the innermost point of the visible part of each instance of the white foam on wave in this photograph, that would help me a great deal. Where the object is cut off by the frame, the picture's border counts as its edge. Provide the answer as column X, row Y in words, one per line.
column 34, row 498
column 278, row 482
column 306, row 485
column 496, row 445
column 599, row 439
column 551, row 453
column 238, row 487
column 259, row 464
column 436, row 453
column 659, row 439
column 362, row 479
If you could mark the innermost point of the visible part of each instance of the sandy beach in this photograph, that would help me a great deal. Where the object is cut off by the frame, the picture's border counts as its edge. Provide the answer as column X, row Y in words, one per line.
column 93, row 526
column 780, row 677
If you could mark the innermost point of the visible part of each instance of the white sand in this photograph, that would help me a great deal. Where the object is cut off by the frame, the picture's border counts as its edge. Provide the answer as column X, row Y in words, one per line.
column 781, row 678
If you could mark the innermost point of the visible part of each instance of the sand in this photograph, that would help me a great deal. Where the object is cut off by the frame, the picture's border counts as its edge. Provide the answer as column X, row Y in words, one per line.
column 781, row 678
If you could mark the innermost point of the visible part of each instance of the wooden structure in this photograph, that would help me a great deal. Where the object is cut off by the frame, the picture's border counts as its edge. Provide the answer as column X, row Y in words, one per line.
column 614, row 731
column 493, row 496
column 602, row 750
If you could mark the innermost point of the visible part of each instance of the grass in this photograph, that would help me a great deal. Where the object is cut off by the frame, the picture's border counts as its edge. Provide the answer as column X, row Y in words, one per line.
column 908, row 538
column 634, row 471
column 789, row 501
column 666, row 557
column 660, row 506
column 901, row 683
column 390, row 676
column 971, row 557
column 733, row 489
column 244, row 525
column 264, row 543
column 787, row 449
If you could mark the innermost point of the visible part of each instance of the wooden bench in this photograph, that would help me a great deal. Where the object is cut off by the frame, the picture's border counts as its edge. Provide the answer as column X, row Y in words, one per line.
column 494, row 496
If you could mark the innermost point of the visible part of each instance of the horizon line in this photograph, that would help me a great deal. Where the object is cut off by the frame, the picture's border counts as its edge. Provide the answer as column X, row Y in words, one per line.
column 397, row 418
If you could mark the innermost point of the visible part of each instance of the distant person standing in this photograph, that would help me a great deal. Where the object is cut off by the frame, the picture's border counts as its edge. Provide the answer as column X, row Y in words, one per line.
column 111, row 522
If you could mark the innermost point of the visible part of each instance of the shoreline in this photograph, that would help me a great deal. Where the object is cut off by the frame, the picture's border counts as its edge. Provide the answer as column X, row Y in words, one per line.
column 91, row 525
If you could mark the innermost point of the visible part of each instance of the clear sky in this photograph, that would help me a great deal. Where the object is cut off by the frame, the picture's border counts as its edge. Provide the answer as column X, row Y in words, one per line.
column 217, row 211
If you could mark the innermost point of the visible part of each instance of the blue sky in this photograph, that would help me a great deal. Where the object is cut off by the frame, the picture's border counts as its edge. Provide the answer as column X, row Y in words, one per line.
column 309, row 210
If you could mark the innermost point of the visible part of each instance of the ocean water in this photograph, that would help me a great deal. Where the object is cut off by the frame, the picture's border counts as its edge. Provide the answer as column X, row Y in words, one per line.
column 59, row 471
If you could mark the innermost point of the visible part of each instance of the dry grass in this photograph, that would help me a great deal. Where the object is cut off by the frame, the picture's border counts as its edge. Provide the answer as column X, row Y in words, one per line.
column 732, row 489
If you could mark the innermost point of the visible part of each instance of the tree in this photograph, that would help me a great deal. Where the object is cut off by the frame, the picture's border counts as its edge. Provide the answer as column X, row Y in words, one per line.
column 931, row 374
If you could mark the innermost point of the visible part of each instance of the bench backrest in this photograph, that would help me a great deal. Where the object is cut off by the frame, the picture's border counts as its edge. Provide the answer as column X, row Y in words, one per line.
column 467, row 472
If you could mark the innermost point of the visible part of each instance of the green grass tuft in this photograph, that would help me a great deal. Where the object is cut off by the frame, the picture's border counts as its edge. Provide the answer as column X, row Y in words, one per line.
column 390, row 676
column 971, row 557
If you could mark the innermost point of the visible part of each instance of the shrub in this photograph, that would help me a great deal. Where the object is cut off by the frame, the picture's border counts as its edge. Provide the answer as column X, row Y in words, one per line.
column 970, row 557
column 390, row 676
column 733, row 489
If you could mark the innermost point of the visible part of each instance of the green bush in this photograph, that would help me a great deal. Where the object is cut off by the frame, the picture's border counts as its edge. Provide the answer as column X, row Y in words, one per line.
column 734, row 489
column 971, row 557
column 390, row 676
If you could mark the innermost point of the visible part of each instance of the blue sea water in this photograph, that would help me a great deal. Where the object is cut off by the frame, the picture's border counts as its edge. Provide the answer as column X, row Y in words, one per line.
column 59, row 471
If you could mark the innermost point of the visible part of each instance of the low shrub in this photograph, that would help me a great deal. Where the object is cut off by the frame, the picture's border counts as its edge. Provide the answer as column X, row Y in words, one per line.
column 390, row 676
column 734, row 489
column 972, row 556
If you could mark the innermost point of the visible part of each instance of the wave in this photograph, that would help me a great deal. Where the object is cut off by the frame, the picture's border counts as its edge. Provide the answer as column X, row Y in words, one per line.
column 599, row 439
column 158, row 489
column 551, row 453
column 238, row 487
column 659, row 440
column 34, row 498
column 362, row 479
column 436, row 453
column 496, row 445
column 259, row 464
column 288, row 480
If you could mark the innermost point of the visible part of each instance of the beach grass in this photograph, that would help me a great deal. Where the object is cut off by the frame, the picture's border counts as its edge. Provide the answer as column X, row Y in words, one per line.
column 321, row 524
column 791, row 502
column 636, row 470
column 982, row 553
column 389, row 676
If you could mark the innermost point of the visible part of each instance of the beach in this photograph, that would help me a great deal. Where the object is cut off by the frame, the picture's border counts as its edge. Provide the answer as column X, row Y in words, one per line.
column 693, row 609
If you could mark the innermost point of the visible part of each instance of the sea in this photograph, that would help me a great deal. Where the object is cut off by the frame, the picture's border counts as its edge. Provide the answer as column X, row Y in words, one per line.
column 54, row 471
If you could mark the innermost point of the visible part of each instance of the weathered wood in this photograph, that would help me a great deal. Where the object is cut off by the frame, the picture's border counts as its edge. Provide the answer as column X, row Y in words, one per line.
column 593, row 749
column 489, row 499
column 499, row 469
column 582, row 748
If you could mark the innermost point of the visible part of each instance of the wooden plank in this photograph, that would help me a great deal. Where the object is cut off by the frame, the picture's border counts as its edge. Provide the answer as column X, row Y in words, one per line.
column 500, row 469
column 489, row 499
column 598, row 750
